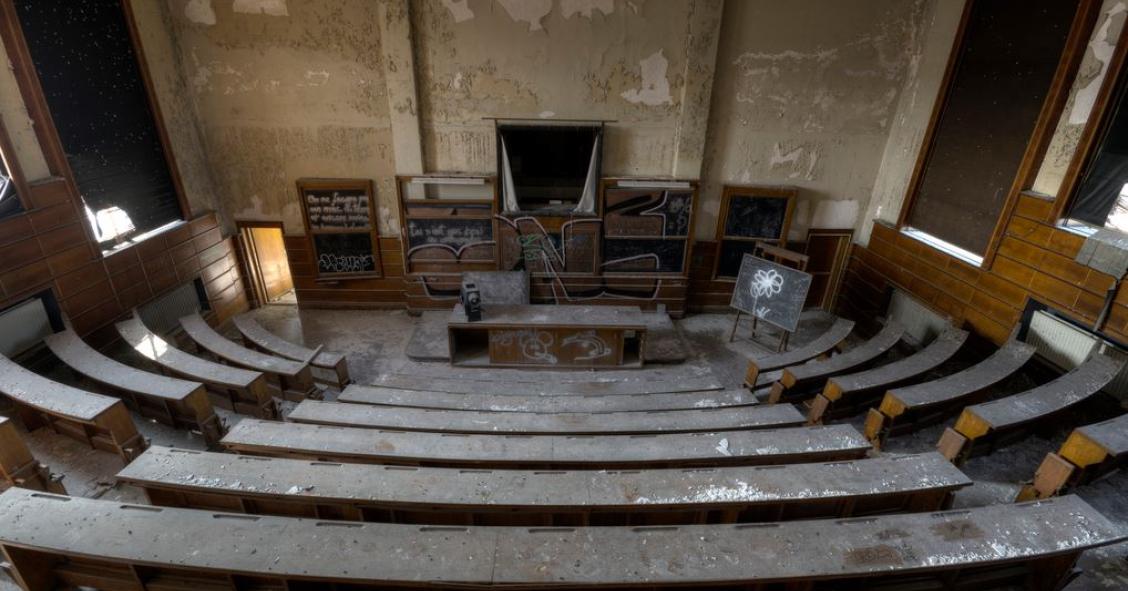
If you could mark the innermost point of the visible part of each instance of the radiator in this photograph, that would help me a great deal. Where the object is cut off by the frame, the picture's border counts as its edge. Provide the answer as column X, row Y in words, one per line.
column 163, row 314
column 23, row 327
column 921, row 323
column 1065, row 346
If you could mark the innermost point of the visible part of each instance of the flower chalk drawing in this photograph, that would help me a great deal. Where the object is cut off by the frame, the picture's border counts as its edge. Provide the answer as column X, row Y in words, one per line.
column 766, row 283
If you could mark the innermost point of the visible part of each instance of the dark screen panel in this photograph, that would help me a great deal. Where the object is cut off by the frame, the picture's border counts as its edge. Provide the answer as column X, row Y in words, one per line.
column 83, row 55
column 1010, row 51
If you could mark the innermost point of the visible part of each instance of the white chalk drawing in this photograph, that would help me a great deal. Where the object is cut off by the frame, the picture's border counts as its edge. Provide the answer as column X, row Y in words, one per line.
column 593, row 346
column 333, row 263
column 534, row 345
column 771, row 292
column 765, row 283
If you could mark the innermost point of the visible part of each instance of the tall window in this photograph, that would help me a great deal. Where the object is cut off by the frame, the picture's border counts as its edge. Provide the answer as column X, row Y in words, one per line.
column 1102, row 194
column 1004, row 67
column 83, row 54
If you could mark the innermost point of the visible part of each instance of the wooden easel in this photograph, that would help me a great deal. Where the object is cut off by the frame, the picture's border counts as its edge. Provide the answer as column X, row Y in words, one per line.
column 782, row 256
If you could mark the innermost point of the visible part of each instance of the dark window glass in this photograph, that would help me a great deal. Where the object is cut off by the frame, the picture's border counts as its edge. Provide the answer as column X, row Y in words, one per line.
column 1009, row 53
column 83, row 54
column 1102, row 199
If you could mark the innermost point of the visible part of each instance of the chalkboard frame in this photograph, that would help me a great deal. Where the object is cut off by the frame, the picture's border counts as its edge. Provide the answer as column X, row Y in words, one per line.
column 728, row 193
column 470, row 208
column 640, row 183
column 373, row 230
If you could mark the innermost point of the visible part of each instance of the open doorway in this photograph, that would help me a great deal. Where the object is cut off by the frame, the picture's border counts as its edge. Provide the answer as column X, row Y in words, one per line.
column 264, row 258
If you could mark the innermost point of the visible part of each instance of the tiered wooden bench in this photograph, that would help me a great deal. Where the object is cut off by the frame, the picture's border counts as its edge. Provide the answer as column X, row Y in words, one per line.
column 380, row 396
column 372, row 446
column 19, row 468
column 830, row 340
column 255, row 336
column 551, row 387
column 515, row 423
column 300, row 488
column 798, row 380
column 1089, row 452
column 172, row 401
column 984, row 427
column 910, row 408
column 293, row 379
column 55, row 541
column 102, row 422
column 848, row 394
column 240, row 390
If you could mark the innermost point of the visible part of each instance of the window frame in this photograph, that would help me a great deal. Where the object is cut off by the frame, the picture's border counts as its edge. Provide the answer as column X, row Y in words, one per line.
column 1076, row 43
column 12, row 164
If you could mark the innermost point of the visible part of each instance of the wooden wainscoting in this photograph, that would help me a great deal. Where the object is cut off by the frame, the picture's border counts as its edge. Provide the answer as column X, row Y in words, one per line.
column 383, row 292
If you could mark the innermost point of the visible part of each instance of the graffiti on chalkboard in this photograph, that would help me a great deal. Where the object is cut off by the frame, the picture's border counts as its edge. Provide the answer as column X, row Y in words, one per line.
column 331, row 263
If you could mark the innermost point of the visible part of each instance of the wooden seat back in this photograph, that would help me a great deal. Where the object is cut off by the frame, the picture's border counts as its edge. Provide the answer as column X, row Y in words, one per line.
column 18, row 467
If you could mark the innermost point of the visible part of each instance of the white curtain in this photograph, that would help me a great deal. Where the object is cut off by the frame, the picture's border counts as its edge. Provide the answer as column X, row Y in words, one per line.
column 507, row 187
column 591, row 184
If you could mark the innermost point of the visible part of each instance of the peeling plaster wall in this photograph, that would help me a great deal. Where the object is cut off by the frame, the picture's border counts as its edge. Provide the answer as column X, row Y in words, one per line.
column 581, row 59
column 283, row 90
column 805, row 94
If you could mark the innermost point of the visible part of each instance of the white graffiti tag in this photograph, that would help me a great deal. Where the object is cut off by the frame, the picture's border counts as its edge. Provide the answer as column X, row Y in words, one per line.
column 593, row 346
column 332, row 263
column 535, row 345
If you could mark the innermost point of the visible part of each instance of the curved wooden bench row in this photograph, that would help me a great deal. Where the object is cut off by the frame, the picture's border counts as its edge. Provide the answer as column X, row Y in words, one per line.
column 906, row 409
column 255, row 336
column 984, row 427
column 49, row 539
column 174, row 402
column 546, row 387
column 848, row 394
column 830, row 340
column 1089, row 452
column 293, row 379
column 798, row 380
column 240, row 390
column 515, row 423
column 594, row 403
column 102, row 422
column 372, row 446
column 19, row 468
column 401, row 494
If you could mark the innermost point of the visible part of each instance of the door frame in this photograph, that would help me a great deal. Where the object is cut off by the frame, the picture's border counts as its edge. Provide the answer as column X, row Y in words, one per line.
column 249, row 258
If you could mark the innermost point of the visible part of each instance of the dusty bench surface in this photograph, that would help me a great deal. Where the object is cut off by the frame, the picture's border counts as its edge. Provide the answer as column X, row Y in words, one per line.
column 204, row 335
column 460, row 421
column 390, row 486
column 541, row 316
column 27, row 387
column 1088, row 452
column 769, row 446
column 254, row 332
column 863, row 353
column 1110, row 435
column 996, row 368
column 604, row 403
column 594, row 386
column 311, row 550
column 156, row 349
column 83, row 358
column 833, row 337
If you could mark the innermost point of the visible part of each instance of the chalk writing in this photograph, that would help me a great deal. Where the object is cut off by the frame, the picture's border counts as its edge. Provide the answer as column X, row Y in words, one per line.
column 338, row 210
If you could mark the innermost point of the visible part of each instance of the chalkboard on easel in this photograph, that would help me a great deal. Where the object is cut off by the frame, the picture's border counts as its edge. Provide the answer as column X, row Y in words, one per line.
column 343, row 235
column 770, row 292
column 749, row 214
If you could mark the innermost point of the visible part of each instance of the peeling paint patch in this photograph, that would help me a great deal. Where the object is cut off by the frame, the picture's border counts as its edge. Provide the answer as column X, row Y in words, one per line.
column 799, row 160
column 529, row 11
column 312, row 78
column 546, row 114
column 459, row 10
column 267, row 7
column 200, row 12
column 835, row 214
column 586, row 8
column 655, row 86
column 1102, row 47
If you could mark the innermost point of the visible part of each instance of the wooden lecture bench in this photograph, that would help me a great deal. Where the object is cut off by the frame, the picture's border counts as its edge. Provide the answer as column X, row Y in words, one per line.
column 255, row 336
column 551, row 387
column 100, row 421
column 515, row 423
column 19, row 468
column 403, row 494
column 984, row 427
column 910, row 408
column 848, row 394
column 240, row 390
column 172, row 401
column 54, row 541
column 1089, row 452
column 293, row 379
column 552, row 452
column 828, row 341
column 798, row 380
column 595, row 403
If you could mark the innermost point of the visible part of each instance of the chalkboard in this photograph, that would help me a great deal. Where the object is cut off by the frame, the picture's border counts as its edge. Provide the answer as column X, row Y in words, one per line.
column 653, row 212
column 452, row 232
column 749, row 214
column 343, row 236
column 771, row 292
column 731, row 254
column 637, row 255
column 344, row 253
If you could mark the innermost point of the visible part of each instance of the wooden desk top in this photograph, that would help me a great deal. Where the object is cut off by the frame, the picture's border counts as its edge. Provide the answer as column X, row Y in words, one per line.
column 1001, row 364
column 823, row 343
column 83, row 358
column 938, row 351
column 863, row 353
column 1112, row 434
column 156, row 349
column 547, row 316
column 206, row 336
column 258, row 335
column 32, row 389
column 393, row 553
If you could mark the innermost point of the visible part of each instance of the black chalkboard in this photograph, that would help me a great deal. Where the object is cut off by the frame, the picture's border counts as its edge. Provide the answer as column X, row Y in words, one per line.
column 771, row 292
column 751, row 216
column 337, row 210
column 637, row 255
column 452, row 232
column 344, row 253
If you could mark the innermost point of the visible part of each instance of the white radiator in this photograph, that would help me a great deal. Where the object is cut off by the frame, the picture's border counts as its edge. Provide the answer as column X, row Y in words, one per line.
column 163, row 314
column 921, row 323
column 1065, row 346
column 23, row 327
